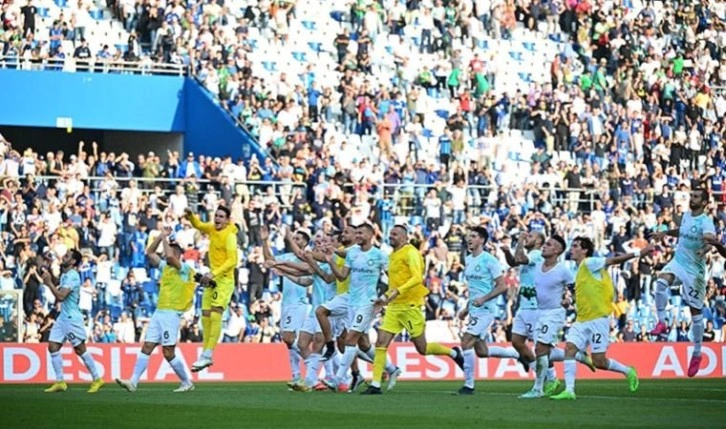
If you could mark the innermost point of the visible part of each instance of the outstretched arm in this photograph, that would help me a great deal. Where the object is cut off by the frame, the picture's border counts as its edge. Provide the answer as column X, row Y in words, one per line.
column 617, row 260
column 205, row 227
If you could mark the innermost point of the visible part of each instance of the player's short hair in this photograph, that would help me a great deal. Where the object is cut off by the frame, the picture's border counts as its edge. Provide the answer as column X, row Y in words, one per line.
column 402, row 227
column 560, row 240
column 365, row 225
column 585, row 243
column 226, row 210
column 704, row 192
column 77, row 257
column 481, row 232
column 176, row 246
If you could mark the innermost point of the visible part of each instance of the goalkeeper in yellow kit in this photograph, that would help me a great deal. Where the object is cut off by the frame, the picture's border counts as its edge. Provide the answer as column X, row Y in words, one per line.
column 404, row 300
column 222, row 263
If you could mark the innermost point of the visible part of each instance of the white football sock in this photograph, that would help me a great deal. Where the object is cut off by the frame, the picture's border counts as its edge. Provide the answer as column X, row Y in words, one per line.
column 294, row 356
column 142, row 361
column 661, row 298
column 502, row 352
column 557, row 354
column 616, row 366
column 312, row 367
column 57, row 362
column 469, row 367
column 330, row 368
column 551, row 374
column 368, row 355
column 90, row 364
column 697, row 331
column 177, row 364
column 348, row 357
column 570, row 373
column 543, row 364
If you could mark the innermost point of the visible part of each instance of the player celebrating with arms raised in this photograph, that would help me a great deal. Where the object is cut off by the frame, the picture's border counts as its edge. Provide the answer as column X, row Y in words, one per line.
column 526, row 256
column 222, row 262
column 688, row 266
column 594, row 293
column 485, row 279
column 176, row 294
column 69, row 326
column 404, row 299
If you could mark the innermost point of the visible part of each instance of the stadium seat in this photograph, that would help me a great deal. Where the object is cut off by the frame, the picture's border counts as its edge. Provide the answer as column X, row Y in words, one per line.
column 337, row 15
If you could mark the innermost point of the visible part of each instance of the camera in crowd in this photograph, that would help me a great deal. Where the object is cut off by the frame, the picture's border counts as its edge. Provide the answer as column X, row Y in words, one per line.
column 198, row 279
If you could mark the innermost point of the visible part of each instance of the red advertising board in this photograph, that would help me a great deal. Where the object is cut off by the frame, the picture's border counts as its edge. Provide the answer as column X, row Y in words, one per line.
column 30, row 363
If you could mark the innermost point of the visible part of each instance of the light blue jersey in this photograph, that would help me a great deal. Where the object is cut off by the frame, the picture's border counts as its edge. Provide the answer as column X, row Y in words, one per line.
column 527, row 291
column 365, row 271
column 690, row 242
column 322, row 291
column 292, row 293
column 481, row 272
column 69, row 306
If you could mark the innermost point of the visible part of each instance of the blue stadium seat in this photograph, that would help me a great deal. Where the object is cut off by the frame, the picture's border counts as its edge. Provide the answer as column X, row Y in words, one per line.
column 150, row 287
column 300, row 56
column 270, row 66
column 61, row 3
column 526, row 77
column 96, row 14
column 482, row 44
column 529, row 46
column 428, row 133
column 415, row 220
column 115, row 312
column 389, row 49
column 337, row 15
column 443, row 114
column 515, row 55
column 252, row 43
column 44, row 12
column 121, row 47
column 416, row 41
column 315, row 46
column 310, row 25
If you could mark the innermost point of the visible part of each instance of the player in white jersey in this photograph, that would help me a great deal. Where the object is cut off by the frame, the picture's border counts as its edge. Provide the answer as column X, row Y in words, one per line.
column 295, row 304
column 527, row 255
column 485, row 278
column 69, row 325
column 310, row 340
column 688, row 267
column 551, row 281
column 364, row 264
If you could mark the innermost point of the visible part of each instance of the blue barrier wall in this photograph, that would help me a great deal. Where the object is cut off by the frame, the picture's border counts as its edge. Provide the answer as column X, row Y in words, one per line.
column 123, row 103
column 93, row 101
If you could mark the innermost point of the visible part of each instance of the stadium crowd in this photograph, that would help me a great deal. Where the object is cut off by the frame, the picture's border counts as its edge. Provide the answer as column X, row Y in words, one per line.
column 627, row 121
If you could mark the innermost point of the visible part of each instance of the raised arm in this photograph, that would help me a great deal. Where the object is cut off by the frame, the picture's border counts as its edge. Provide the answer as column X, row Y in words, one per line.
column 311, row 260
column 265, row 239
column 619, row 259
column 197, row 223
column 59, row 293
column 304, row 281
column 169, row 254
column 154, row 258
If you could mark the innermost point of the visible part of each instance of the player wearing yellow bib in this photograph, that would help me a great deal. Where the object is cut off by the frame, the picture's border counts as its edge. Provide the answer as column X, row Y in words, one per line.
column 594, row 293
column 176, row 293
column 222, row 262
column 404, row 300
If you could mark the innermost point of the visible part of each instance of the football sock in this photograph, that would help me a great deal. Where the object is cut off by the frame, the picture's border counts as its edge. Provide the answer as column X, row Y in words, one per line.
column 215, row 329
column 469, row 367
column 142, row 361
column 570, row 373
column 177, row 364
column 661, row 299
column 206, row 331
column 697, row 331
column 348, row 357
column 543, row 364
column 90, row 364
column 57, row 362
column 378, row 364
column 439, row 350
column 502, row 352
column 616, row 366
column 312, row 367
column 294, row 357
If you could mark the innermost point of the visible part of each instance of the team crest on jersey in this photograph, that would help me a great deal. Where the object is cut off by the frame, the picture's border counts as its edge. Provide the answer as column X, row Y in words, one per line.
column 371, row 262
column 694, row 229
column 477, row 268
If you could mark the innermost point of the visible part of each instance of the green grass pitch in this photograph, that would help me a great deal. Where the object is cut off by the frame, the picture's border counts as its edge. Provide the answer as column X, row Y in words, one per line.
column 600, row 404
